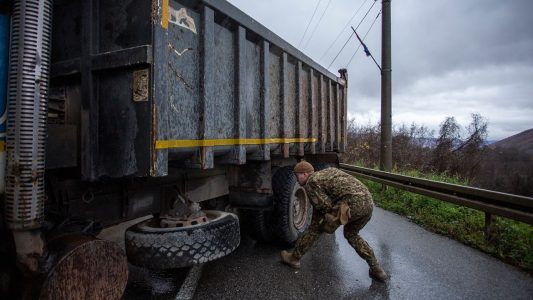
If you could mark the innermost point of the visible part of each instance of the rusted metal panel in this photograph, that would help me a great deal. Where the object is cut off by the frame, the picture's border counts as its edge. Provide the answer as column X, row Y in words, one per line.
column 207, row 89
column 221, row 88
column 85, row 268
column 337, row 118
column 160, row 104
column 292, row 104
column 323, row 114
column 275, row 88
column 252, row 88
column 264, row 153
column 89, row 109
column 183, row 77
column 313, row 108
column 284, row 103
column 329, row 111
column 224, row 81
column 344, row 115
column 301, row 116
column 239, row 151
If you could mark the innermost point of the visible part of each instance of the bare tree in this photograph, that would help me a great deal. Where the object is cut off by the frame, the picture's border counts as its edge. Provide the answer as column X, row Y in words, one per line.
column 449, row 136
column 472, row 149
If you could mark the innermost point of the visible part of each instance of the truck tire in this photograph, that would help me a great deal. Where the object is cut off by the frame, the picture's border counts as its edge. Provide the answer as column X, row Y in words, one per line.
column 260, row 225
column 321, row 166
column 153, row 247
column 292, row 209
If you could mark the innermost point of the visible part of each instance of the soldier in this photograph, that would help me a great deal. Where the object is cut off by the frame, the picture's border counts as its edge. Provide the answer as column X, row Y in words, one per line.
column 337, row 198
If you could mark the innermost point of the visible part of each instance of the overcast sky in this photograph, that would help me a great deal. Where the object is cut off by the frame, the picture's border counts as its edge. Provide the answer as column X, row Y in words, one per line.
column 449, row 57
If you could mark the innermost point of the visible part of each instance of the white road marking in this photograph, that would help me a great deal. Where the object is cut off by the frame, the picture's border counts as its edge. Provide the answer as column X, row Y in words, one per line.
column 188, row 287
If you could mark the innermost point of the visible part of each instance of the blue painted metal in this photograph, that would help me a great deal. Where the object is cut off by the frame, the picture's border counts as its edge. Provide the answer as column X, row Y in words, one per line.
column 4, row 64
column 4, row 59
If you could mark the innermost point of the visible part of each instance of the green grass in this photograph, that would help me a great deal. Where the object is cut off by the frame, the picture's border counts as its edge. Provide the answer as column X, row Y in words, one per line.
column 512, row 241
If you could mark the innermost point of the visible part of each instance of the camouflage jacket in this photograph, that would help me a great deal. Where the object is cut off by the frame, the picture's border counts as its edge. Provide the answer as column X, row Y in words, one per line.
column 324, row 188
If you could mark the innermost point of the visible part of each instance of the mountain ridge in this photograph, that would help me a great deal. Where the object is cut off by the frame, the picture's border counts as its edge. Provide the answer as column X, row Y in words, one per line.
column 522, row 141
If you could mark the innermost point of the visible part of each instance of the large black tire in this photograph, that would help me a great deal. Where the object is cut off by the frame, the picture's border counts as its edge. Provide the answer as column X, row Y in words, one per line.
column 259, row 224
column 321, row 166
column 149, row 246
column 292, row 209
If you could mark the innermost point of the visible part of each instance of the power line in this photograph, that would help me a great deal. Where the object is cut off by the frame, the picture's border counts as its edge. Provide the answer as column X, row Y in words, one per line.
column 366, row 49
column 343, row 29
column 316, row 26
column 364, row 37
column 346, row 43
column 310, row 20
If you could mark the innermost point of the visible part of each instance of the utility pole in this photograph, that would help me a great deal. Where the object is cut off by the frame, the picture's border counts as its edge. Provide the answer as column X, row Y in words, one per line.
column 385, row 161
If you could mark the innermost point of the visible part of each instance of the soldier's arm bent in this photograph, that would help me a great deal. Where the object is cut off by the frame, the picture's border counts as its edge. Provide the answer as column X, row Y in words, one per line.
column 318, row 198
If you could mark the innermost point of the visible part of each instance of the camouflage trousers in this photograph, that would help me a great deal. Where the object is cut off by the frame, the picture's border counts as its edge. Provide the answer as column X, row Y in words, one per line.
column 361, row 212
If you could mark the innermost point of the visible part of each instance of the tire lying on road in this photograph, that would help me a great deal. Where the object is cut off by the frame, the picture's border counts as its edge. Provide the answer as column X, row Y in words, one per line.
column 150, row 246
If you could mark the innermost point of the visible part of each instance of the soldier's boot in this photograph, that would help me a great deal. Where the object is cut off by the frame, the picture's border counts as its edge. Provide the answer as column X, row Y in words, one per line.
column 377, row 272
column 288, row 259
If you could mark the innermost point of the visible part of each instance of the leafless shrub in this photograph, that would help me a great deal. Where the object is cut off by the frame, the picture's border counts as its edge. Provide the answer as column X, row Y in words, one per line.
column 455, row 151
column 461, row 153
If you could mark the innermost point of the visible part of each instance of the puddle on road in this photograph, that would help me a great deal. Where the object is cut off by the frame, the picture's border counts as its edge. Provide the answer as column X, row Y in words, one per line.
column 153, row 284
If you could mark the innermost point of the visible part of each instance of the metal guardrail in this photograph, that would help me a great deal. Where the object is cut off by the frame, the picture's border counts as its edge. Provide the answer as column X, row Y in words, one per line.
column 515, row 207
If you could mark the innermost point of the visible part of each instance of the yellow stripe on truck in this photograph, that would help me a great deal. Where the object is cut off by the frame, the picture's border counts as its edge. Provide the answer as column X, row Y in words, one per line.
column 166, row 144
column 164, row 14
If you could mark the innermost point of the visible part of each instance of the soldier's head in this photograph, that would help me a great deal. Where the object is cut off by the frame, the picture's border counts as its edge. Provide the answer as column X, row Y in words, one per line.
column 303, row 170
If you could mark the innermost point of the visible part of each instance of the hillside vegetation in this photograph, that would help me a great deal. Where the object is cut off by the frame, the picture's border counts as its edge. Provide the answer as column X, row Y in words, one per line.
column 459, row 151
column 511, row 241
column 457, row 155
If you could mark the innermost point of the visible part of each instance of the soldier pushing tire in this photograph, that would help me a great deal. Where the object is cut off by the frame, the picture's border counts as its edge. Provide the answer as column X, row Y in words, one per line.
column 338, row 199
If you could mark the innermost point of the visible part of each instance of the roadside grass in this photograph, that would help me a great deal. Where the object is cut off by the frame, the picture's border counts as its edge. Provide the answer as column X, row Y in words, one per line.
column 512, row 241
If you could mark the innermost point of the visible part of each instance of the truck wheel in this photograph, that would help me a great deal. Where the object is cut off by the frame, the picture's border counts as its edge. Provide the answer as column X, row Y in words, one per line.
column 260, row 222
column 321, row 166
column 150, row 246
column 291, row 206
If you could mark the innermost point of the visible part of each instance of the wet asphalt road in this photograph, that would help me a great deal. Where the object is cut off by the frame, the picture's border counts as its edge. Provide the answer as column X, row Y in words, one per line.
column 422, row 265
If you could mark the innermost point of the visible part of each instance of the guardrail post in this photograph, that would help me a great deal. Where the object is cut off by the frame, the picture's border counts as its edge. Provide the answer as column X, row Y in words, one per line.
column 488, row 227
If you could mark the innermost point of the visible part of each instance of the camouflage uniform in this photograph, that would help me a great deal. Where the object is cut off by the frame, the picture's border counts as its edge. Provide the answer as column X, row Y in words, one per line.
column 326, row 188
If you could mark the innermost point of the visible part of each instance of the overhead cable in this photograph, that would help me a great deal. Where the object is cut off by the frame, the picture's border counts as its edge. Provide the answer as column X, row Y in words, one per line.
column 310, row 20
column 364, row 37
column 367, row 52
column 343, row 29
column 346, row 43
column 317, row 24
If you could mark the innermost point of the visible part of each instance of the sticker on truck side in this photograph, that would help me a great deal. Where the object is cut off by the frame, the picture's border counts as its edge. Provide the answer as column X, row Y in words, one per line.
column 178, row 17
column 181, row 18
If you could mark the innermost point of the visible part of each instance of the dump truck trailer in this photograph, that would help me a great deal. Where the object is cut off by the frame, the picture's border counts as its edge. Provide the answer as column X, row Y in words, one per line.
column 190, row 112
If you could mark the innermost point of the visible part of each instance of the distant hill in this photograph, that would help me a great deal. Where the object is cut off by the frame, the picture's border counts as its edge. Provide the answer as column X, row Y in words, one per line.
column 522, row 141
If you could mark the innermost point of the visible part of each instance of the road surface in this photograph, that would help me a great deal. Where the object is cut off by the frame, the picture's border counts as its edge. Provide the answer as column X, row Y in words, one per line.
column 422, row 265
